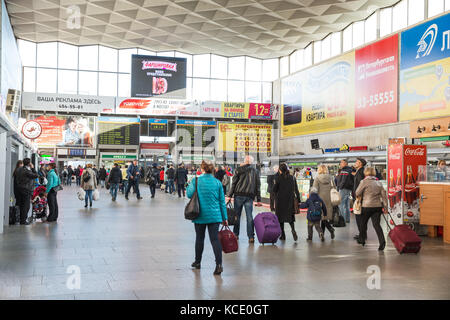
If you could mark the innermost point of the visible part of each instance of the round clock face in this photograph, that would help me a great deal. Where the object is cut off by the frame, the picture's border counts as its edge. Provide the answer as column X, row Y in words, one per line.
column 31, row 130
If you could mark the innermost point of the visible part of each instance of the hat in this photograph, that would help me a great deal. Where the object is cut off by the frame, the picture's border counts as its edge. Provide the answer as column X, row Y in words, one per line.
column 363, row 161
column 313, row 190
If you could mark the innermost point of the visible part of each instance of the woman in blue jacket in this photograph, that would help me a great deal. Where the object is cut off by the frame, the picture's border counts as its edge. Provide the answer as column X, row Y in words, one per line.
column 213, row 211
column 52, row 182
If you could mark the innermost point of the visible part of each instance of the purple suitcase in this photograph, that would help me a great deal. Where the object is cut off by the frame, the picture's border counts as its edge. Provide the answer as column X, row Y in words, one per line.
column 267, row 227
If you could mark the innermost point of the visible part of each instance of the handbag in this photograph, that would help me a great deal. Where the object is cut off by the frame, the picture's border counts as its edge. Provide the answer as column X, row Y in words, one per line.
column 81, row 194
column 228, row 240
column 357, row 205
column 334, row 194
column 192, row 209
column 231, row 213
column 95, row 195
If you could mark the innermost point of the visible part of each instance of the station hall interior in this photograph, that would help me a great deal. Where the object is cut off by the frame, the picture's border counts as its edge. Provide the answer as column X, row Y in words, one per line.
column 158, row 93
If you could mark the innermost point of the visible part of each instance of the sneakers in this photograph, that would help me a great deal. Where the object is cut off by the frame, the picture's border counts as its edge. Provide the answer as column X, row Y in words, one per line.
column 218, row 270
column 195, row 265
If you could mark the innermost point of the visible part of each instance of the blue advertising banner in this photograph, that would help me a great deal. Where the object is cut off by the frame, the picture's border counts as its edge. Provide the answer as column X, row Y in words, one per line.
column 119, row 120
column 195, row 123
column 159, row 121
column 429, row 41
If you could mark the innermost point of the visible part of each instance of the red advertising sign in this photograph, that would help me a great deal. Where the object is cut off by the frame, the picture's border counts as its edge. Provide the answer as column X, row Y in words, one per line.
column 406, row 168
column 376, row 83
column 414, row 171
column 259, row 111
column 395, row 182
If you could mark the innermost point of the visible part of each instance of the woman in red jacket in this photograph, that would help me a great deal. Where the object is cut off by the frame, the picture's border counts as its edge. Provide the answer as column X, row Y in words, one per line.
column 161, row 176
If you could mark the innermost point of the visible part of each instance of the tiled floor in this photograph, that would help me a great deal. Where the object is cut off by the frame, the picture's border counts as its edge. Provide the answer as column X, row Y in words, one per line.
column 143, row 250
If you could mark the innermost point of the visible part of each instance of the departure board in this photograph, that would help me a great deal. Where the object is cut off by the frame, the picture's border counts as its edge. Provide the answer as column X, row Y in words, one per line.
column 195, row 133
column 157, row 127
column 118, row 131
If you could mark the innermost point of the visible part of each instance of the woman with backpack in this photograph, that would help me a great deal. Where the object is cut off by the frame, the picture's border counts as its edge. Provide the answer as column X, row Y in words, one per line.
column 287, row 198
column 213, row 211
column 88, row 183
column 324, row 183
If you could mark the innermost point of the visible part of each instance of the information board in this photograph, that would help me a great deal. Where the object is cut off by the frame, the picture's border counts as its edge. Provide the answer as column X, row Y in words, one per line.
column 118, row 131
column 157, row 127
column 195, row 133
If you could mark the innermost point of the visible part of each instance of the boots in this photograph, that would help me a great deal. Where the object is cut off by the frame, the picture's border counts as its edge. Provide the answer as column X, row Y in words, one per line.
column 294, row 234
column 218, row 270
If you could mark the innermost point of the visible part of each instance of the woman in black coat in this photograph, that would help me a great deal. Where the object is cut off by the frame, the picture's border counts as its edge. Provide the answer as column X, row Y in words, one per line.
column 285, row 190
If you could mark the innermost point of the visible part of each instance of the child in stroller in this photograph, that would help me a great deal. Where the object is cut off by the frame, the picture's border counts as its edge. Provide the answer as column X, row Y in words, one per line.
column 39, row 201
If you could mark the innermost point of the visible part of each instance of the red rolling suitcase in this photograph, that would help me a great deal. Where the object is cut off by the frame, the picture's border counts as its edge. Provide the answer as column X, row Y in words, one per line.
column 404, row 238
column 228, row 240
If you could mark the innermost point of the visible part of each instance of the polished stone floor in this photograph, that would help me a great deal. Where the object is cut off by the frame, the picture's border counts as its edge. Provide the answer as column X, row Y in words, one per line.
column 143, row 250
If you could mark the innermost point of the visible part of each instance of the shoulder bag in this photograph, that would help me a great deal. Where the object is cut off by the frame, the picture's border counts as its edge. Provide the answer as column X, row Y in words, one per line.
column 334, row 194
column 192, row 209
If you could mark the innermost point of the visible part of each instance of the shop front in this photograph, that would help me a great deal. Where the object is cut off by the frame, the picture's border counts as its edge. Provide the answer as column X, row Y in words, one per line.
column 108, row 159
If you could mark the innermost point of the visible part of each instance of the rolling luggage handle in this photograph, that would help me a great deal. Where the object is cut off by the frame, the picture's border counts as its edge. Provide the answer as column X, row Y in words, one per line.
column 387, row 222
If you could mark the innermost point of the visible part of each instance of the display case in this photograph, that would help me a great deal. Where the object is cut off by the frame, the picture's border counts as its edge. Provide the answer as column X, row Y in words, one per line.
column 264, row 185
column 303, row 188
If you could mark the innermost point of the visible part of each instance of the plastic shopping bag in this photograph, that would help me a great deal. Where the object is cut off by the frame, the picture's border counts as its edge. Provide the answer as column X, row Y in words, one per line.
column 81, row 194
column 96, row 195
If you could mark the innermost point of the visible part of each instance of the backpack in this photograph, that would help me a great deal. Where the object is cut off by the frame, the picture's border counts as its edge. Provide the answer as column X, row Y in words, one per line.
column 315, row 211
column 87, row 177
column 225, row 180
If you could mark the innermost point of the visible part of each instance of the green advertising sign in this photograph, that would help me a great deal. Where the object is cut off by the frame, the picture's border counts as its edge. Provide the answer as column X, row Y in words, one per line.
column 118, row 156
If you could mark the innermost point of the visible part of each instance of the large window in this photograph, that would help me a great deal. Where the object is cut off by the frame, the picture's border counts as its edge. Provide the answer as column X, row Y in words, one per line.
column 435, row 7
column 416, row 11
column 326, row 48
column 336, row 47
column 400, row 15
column 358, row 34
column 348, row 38
column 370, row 28
column 317, row 51
column 385, row 22
column 284, row 66
column 58, row 67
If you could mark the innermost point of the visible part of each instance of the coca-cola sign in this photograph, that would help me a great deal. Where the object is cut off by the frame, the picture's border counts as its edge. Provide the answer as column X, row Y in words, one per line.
column 414, row 151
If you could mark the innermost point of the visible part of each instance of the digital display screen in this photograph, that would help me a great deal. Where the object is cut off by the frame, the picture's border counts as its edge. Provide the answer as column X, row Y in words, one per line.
column 118, row 131
column 195, row 133
column 157, row 127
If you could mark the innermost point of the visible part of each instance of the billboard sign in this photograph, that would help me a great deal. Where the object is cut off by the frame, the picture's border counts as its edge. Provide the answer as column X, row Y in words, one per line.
column 245, row 137
column 153, row 76
column 67, row 103
column 425, row 70
column 376, row 68
column 118, row 131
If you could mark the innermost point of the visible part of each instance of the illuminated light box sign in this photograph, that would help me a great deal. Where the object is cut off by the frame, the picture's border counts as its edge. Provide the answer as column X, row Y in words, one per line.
column 154, row 76
column 119, row 157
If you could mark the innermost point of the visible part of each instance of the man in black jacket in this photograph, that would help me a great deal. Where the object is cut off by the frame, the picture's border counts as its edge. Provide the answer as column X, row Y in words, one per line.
column 102, row 176
column 69, row 175
column 181, row 179
column 345, row 187
column 170, row 177
column 358, row 177
column 115, row 178
column 246, row 186
column 153, row 178
column 25, row 176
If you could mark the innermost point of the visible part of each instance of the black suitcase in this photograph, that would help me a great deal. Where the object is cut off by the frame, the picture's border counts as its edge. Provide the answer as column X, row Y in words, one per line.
column 14, row 215
column 338, row 219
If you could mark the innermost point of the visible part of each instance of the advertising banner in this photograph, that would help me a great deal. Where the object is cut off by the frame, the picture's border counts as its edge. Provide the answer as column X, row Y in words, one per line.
column 154, row 107
column 158, row 76
column 235, row 110
column 245, row 137
column 425, row 70
column 406, row 168
column 67, row 103
column 414, row 171
column 66, row 131
column 326, row 100
column 376, row 68
column 118, row 131
column 211, row 109
column 260, row 111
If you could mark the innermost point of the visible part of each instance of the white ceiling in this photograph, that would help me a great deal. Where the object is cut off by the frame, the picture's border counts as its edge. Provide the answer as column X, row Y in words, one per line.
column 263, row 28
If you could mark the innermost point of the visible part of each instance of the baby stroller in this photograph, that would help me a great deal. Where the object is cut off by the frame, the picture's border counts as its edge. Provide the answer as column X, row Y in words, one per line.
column 39, row 209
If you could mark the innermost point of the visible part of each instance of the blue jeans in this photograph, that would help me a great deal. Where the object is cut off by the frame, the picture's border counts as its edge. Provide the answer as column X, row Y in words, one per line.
column 170, row 186
column 239, row 203
column 88, row 196
column 113, row 190
column 135, row 184
column 344, row 206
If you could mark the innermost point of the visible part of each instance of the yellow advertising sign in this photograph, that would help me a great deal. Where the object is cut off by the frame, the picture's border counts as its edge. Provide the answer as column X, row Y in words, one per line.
column 235, row 110
column 425, row 91
column 245, row 137
column 320, row 99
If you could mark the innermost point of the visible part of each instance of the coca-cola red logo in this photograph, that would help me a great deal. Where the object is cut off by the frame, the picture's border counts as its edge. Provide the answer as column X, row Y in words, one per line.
column 414, row 151
column 159, row 65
